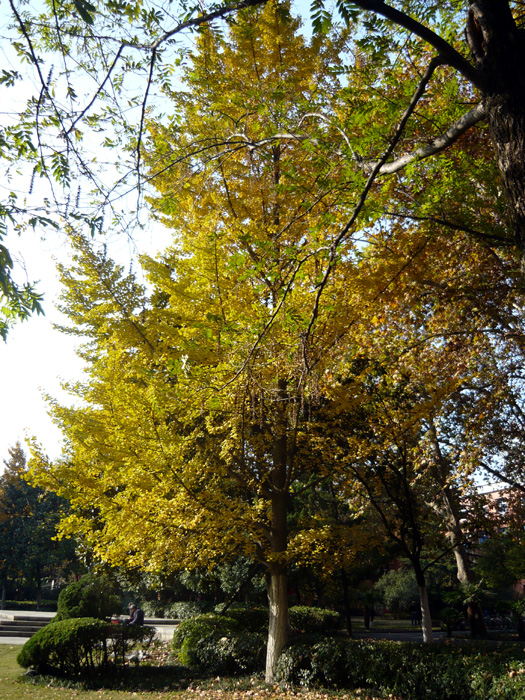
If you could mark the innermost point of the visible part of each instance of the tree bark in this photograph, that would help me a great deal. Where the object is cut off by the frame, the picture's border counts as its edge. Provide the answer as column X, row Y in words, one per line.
column 278, row 628
column 465, row 574
column 279, row 625
column 426, row 618
column 498, row 49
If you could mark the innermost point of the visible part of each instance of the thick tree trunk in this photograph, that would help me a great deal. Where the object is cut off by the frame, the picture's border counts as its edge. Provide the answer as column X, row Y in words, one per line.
column 465, row 574
column 498, row 48
column 278, row 629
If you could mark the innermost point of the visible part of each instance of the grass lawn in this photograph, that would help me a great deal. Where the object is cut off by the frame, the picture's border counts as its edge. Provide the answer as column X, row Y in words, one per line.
column 14, row 687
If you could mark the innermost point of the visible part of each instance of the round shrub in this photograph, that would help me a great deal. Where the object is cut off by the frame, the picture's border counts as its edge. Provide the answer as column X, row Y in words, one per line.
column 90, row 597
column 80, row 645
column 218, row 644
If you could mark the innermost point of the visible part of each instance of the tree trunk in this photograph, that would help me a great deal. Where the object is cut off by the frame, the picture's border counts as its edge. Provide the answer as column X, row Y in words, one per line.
column 498, row 48
column 346, row 602
column 279, row 627
column 454, row 534
column 4, row 593
column 426, row 619
column 465, row 574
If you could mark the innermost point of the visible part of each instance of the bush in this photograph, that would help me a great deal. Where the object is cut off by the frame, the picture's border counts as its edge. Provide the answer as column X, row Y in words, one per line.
column 313, row 620
column 250, row 618
column 45, row 605
column 153, row 608
column 411, row 671
column 183, row 610
column 89, row 597
column 80, row 645
column 218, row 644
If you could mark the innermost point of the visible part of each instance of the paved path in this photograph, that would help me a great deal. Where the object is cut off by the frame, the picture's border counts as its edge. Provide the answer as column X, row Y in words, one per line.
column 25, row 614
column 415, row 636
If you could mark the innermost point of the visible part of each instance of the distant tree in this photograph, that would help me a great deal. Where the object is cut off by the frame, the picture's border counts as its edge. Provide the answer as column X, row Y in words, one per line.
column 28, row 519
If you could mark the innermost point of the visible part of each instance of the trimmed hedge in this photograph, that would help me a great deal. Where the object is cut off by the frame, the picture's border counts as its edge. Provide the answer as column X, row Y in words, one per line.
column 218, row 644
column 408, row 670
column 311, row 620
column 80, row 645
column 46, row 605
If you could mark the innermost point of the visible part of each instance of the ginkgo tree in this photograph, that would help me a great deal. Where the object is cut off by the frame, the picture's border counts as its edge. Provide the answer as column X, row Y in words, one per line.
column 99, row 67
column 196, row 429
column 193, row 436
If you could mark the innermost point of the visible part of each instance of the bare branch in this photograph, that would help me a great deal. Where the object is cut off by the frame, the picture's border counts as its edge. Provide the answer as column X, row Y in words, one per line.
column 451, row 135
column 455, row 226
column 143, row 113
column 98, row 91
column 418, row 94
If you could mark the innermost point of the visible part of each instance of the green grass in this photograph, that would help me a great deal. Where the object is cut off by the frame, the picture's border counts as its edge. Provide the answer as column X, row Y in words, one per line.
column 142, row 683
column 151, row 683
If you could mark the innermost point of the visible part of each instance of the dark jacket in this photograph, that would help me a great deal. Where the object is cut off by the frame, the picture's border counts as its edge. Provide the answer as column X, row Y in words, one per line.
column 136, row 617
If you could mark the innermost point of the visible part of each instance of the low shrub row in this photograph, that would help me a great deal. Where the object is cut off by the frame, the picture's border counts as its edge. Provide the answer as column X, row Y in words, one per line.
column 80, row 646
column 45, row 605
column 407, row 670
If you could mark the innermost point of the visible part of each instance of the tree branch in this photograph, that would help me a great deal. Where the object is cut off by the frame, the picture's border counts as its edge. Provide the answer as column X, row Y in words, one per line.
column 436, row 61
column 485, row 237
column 447, row 52
column 220, row 13
column 451, row 135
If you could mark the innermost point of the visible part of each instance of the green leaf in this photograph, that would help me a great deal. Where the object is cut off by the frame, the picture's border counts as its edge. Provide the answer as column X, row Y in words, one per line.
column 84, row 9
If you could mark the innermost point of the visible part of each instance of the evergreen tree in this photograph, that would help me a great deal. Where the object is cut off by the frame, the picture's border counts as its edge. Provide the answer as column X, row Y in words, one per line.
column 28, row 523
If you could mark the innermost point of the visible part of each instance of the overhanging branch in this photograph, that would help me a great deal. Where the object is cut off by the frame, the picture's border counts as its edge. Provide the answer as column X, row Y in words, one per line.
column 447, row 52
column 442, row 142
